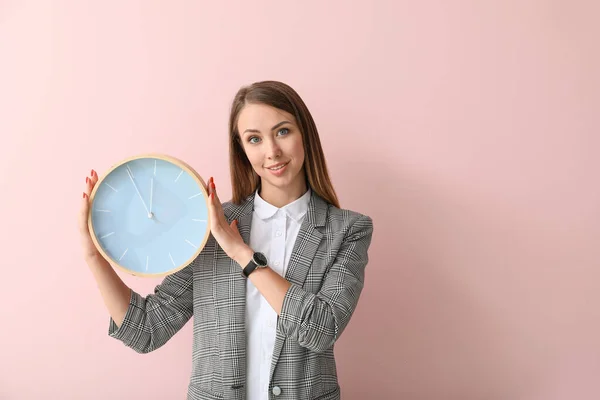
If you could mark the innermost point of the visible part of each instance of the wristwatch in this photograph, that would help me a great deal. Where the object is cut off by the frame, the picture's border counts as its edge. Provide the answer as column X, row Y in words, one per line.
column 258, row 261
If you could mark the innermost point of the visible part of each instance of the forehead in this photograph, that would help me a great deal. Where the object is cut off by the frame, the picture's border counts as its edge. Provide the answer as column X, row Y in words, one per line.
column 261, row 116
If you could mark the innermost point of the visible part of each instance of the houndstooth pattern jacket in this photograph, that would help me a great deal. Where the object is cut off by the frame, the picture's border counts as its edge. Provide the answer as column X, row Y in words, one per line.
column 326, row 269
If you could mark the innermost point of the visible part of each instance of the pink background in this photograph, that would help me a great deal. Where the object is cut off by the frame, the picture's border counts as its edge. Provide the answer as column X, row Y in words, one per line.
column 468, row 130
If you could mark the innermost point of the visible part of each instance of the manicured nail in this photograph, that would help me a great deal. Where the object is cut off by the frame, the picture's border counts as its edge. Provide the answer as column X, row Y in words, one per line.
column 93, row 173
column 87, row 180
column 84, row 195
column 213, row 186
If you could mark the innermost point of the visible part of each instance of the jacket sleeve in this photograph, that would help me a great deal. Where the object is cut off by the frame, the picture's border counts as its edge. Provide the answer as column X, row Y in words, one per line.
column 152, row 320
column 316, row 321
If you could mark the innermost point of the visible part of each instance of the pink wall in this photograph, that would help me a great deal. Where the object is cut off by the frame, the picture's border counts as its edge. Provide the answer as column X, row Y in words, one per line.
column 469, row 132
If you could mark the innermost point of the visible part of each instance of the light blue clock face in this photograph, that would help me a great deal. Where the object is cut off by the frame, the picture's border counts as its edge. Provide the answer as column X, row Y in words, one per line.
column 150, row 216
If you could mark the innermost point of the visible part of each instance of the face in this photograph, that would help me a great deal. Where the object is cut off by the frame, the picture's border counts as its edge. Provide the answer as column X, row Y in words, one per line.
column 273, row 144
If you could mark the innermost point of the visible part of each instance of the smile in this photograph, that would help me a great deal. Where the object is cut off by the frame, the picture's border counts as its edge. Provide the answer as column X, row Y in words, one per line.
column 278, row 166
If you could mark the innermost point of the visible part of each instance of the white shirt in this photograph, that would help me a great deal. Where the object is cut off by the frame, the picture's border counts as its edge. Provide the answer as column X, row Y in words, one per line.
column 273, row 233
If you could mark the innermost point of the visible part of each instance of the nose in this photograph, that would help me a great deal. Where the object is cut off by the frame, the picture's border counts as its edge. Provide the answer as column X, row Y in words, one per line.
column 273, row 150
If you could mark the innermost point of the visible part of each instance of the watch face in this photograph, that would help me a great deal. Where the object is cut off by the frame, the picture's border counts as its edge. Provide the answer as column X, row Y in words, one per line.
column 149, row 215
column 260, row 259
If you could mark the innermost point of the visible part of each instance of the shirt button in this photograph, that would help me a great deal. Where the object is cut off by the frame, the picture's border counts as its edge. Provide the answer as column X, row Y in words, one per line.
column 276, row 390
column 276, row 263
column 278, row 233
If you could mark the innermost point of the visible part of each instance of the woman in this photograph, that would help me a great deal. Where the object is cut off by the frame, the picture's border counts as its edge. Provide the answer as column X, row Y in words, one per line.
column 278, row 280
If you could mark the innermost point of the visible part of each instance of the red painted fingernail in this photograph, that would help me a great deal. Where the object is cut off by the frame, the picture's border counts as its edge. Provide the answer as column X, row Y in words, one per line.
column 213, row 186
column 93, row 173
column 84, row 195
column 87, row 180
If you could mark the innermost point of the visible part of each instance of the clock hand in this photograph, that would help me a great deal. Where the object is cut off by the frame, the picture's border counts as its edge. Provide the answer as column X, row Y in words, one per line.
column 138, row 192
column 151, row 192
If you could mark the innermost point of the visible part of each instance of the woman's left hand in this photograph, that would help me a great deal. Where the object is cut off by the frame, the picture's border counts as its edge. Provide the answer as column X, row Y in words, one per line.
column 227, row 235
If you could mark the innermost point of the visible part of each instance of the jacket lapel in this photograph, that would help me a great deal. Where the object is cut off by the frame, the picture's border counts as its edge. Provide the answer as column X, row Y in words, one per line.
column 303, row 253
column 229, row 292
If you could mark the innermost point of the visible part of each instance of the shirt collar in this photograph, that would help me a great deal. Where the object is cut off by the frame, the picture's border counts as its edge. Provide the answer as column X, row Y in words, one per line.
column 295, row 210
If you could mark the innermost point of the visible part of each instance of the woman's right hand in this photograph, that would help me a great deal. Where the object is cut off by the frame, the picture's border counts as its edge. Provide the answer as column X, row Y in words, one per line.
column 89, row 249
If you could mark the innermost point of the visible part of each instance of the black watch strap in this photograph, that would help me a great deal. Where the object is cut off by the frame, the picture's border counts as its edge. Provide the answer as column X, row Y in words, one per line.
column 249, row 268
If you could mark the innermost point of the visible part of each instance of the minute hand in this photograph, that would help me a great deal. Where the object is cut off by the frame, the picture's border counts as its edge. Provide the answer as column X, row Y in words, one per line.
column 138, row 192
column 151, row 192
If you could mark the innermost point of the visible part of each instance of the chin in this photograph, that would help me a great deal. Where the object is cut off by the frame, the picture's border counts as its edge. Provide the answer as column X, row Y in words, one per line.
column 283, row 181
column 278, row 183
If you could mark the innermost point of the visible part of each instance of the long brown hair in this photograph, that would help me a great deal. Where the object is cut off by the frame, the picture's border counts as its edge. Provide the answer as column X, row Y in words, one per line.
column 244, row 181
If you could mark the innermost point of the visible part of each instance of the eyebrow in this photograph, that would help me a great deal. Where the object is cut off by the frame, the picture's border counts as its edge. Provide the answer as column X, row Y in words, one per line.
column 273, row 128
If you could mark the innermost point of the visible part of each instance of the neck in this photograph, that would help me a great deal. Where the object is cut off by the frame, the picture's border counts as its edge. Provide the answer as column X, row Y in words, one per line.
column 281, row 196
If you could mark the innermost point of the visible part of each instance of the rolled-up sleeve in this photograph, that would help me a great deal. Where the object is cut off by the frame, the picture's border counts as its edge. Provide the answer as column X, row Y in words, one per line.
column 316, row 321
column 152, row 320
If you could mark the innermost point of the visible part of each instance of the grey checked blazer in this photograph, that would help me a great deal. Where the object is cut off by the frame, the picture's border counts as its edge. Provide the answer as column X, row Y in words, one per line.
column 326, row 270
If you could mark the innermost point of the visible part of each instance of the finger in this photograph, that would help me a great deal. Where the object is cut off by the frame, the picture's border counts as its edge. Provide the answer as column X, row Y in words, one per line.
column 218, row 220
column 85, row 202
column 211, row 209
column 205, row 184
column 213, row 212
column 214, row 193
column 215, row 196
column 210, row 187
column 83, row 212
column 89, row 185
column 210, row 190
column 217, row 217
column 90, row 181
column 235, row 228
column 94, row 177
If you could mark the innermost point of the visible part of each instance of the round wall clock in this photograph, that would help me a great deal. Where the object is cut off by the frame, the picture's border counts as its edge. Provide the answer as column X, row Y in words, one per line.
column 149, row 215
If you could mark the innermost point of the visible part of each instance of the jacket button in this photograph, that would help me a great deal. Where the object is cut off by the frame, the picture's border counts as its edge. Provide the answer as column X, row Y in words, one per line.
column 276, row 390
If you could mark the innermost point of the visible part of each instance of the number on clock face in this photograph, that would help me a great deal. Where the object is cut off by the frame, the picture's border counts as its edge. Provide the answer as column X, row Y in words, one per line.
column 150, row 215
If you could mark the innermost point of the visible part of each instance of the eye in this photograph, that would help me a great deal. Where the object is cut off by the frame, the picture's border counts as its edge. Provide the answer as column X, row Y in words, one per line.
column 283, row 131
column 253, row 139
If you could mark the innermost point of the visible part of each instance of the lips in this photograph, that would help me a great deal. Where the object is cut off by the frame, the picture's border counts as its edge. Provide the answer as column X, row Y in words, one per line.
column 275, row 166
